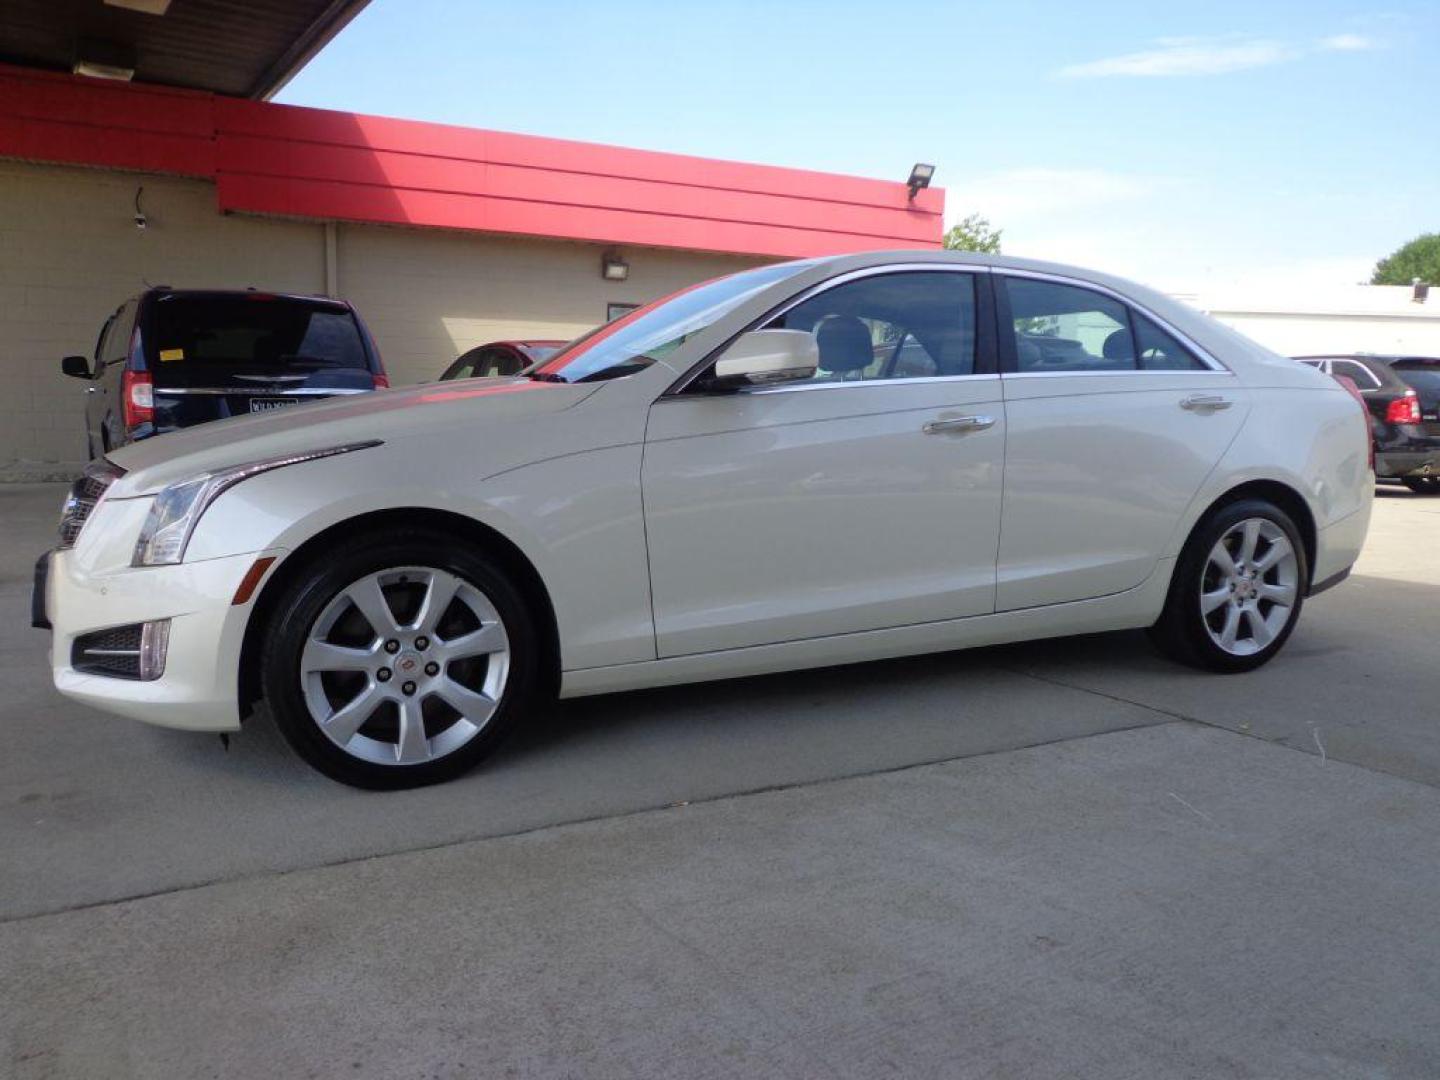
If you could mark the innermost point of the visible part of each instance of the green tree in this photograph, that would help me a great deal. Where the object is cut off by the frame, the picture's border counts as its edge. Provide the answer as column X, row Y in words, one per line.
column 974, row 233
column 1420, row 258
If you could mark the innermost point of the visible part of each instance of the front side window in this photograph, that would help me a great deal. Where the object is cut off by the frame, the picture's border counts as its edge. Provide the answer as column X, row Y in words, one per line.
column 1066, row 328
column 649, row 334
column 904, row 325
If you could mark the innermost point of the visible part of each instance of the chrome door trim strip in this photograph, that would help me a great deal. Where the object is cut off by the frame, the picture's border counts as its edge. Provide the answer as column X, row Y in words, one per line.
column 1205, row 356
column 801, row 387
column 1182, row 373
column 255, row 391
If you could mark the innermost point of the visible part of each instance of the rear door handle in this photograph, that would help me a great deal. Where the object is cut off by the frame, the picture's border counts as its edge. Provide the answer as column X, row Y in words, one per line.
column 955, row 425
column 1205, row 403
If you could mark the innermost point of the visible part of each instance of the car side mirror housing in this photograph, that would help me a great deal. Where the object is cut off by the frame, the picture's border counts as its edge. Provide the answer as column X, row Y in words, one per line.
column 77, row 367
column 766, row 357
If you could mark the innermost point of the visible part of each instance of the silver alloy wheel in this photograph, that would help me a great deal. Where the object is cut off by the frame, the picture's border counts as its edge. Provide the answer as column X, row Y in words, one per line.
column 366, row 667
column 1249, row 586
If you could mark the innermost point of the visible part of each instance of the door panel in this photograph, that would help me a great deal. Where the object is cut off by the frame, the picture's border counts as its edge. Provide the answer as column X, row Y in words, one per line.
column 803, row 512
column 1099, row 468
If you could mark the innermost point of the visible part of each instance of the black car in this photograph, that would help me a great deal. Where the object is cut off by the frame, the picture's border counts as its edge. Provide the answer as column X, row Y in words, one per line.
column 501, row 358
column 173, row 358
column 1403, row 393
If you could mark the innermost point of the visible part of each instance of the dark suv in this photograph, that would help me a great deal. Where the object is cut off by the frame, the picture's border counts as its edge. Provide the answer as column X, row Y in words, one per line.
column 173, row 358
column 1403, row 393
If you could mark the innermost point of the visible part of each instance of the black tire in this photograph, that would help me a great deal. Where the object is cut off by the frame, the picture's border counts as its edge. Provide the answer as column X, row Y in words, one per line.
column 1422, row 485
column 1181, row 631
column 324, row 579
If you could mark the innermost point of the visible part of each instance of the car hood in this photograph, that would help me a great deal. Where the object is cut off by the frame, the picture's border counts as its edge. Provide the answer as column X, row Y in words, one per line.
column 384, row 415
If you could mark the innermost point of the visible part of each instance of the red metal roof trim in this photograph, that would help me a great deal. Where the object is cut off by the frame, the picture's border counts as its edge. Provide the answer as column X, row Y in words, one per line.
column 301, row 162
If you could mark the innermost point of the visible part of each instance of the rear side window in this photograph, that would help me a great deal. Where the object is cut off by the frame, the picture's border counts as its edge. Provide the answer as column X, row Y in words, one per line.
column 1159, row 351
column 258, row 334
column 1364, row 378
column 1065, row 328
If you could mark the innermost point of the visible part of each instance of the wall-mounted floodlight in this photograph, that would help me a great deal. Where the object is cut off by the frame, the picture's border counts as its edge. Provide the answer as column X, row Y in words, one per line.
column 920, row 177
column 613, row 267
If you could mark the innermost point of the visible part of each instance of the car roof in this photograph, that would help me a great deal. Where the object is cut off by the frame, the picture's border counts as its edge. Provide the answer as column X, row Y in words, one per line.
column 217, row 294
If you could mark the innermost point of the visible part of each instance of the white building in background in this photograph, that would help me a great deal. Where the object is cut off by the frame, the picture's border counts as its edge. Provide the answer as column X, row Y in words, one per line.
column 1349, row 318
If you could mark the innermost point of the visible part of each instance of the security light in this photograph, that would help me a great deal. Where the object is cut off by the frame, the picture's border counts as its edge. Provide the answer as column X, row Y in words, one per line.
column 613, row 267
column 919, row 178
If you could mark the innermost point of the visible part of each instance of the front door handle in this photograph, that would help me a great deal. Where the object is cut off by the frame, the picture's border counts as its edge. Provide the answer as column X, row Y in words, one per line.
column 955, row 425
column 1205, row 403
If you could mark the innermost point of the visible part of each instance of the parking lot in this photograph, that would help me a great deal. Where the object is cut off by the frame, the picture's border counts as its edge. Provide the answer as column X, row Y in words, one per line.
column 1063, row 858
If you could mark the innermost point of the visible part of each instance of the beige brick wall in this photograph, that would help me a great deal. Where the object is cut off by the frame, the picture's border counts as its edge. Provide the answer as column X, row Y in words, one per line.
column 428, row 295
column 70, row 254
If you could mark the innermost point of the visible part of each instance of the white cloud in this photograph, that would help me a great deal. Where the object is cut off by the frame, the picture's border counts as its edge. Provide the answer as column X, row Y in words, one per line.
column 1347, row 43
column 1017, row 194
column 1209, row 56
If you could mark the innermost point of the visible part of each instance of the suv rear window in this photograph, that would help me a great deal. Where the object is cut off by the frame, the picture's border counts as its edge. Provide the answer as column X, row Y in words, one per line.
column 1421, row 374
column 259, row 333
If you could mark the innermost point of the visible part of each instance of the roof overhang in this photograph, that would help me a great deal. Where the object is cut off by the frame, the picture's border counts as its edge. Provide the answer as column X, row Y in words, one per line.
column 315, row 164
column 248, row 49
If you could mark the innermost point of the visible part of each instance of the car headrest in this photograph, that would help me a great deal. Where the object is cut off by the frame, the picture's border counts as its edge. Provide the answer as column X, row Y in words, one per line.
column 844, row 343
column 1119, row 346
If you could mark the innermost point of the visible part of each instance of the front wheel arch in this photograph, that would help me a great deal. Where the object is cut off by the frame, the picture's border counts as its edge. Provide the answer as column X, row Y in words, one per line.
column 497, row 546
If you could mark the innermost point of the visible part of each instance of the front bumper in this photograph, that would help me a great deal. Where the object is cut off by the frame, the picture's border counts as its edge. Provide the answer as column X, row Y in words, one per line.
column 198, row 690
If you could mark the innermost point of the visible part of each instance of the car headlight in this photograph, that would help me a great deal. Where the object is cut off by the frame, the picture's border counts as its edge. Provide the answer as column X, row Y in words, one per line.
column 178, row 508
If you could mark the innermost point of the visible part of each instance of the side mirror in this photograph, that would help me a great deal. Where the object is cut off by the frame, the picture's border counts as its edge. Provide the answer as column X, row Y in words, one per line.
column 765, row 357
column 77, row 367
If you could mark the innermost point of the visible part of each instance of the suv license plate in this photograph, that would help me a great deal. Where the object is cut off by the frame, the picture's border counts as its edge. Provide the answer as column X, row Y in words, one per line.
column 268, row 404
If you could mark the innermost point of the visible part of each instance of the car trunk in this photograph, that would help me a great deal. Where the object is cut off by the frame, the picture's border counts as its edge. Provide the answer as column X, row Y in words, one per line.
column 210, row 357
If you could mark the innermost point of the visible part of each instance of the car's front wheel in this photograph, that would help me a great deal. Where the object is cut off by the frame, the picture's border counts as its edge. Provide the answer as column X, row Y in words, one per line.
column 399, row 661
column 1423, row 485
column 1237, row 591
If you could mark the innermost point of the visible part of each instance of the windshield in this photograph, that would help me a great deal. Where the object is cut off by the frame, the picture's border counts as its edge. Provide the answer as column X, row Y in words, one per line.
column 637, row 340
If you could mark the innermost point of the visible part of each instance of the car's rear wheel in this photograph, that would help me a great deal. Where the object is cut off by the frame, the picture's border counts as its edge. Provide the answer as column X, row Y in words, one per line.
column 400, row 661
column 1237, row 591
column 1422, row 485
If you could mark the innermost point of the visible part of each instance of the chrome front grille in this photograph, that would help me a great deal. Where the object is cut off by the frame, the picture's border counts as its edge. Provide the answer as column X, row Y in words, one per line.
column 83, row 496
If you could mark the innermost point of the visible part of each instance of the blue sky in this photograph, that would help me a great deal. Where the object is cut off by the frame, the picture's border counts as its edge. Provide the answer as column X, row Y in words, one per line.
column 1183, row 144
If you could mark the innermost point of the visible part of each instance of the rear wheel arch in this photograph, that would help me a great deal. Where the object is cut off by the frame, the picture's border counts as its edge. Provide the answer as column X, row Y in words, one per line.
column 507, row 556
column 1282, row 495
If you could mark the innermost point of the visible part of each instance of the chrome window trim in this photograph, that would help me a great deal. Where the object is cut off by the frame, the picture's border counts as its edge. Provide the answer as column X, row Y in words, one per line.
column 1204, row 355
column 679, row 387
column 259, row 392
column 801, row 387
column 1174, row 372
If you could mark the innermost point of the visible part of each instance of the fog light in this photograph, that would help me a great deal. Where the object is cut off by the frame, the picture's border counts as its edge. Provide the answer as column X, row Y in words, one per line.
column 134, row 651
column 154, row 641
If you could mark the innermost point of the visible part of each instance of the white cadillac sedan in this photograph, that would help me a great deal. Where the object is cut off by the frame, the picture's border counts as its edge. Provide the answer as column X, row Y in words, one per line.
column 807, row 464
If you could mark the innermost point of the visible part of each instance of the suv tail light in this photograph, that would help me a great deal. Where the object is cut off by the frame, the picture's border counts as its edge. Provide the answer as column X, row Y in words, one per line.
column 382, row 381
column 137, row 398
column 1405, row 410
column 1354, row 391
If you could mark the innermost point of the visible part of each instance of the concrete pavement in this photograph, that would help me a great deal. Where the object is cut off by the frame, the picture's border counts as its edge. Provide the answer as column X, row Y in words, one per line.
column 1166, row 899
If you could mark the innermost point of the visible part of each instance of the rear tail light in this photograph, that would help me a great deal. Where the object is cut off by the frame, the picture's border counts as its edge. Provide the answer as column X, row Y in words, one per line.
column 137, row 398
column 1354, row 391
column 1405, row 410
column 382, row 381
